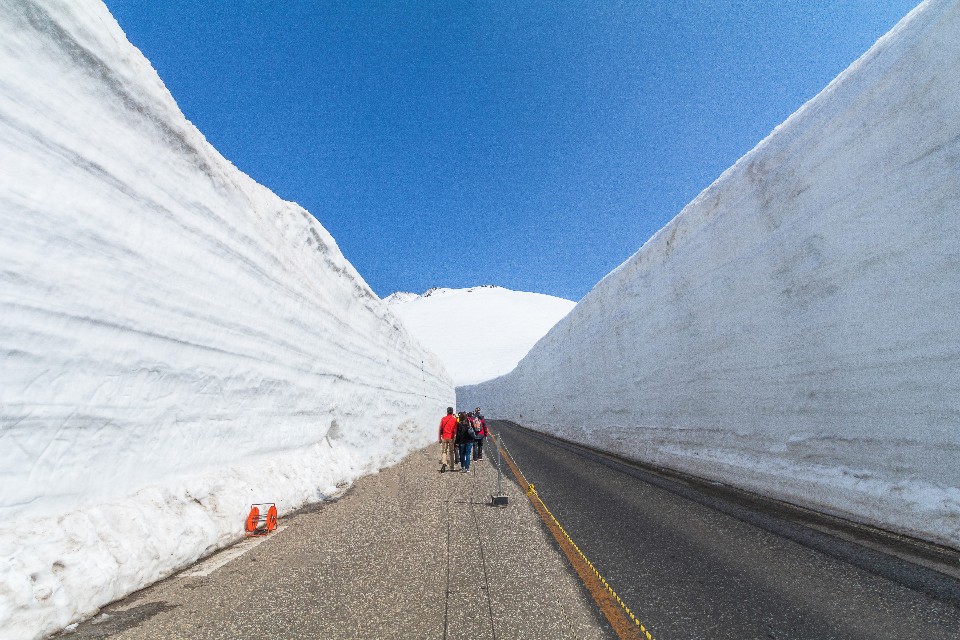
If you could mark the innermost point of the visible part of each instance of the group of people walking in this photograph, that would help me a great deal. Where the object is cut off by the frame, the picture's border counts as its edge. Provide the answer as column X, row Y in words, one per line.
column 461, row 439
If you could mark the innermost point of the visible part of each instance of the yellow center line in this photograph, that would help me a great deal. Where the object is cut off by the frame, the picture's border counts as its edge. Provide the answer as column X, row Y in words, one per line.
column 625, row 624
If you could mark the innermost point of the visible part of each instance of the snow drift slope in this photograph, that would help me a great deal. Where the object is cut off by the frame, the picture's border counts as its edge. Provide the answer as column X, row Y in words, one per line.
column 481, row 332
column 177, row 341
column 795, row 329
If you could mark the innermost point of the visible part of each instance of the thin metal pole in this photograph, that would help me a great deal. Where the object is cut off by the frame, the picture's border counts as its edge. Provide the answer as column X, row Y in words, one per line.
column 499, row 470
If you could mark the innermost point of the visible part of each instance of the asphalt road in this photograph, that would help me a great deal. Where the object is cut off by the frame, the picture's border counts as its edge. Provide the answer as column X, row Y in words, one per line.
column 694, row 561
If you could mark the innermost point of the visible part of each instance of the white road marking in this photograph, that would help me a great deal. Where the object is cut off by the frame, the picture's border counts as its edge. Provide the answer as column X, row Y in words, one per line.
column 217, row 560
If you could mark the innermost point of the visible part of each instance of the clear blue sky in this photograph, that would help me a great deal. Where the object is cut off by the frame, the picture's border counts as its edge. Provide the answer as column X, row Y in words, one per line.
column 534, row 145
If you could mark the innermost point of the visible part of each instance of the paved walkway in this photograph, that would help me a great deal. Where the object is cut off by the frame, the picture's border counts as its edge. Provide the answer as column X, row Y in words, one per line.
column 406, row 553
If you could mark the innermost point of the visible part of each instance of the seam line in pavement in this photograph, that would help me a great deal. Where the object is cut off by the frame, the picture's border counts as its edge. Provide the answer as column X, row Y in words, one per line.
column 623, row 621
column 483, row 559
column 446, row 606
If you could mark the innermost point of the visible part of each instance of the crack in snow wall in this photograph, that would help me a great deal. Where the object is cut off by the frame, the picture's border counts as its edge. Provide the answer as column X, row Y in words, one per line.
column 794, row 330
column 177, row 341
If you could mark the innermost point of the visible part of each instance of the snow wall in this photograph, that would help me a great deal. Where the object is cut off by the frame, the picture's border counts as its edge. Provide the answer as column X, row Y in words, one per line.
column 795, row 330
column 177, row 341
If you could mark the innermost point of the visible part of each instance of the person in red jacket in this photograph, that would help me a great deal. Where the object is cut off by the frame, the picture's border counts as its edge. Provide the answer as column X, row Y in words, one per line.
column 448, row 431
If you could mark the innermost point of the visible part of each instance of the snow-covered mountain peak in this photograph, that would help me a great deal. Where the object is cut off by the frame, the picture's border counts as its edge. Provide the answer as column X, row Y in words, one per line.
column 479, row 332
column 407, row 296
column 400, row 296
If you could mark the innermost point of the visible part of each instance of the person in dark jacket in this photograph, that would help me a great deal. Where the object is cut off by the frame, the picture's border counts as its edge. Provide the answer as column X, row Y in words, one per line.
column 466, row 436
column 458, row 439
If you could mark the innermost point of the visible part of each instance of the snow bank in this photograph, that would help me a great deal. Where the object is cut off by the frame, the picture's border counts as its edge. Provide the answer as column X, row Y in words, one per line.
column 481, row 332
column 794, row 330
column 177, row 341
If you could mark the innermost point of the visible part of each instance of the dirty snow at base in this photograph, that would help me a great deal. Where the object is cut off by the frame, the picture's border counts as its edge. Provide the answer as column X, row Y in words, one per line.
column 177, row 341
column 795, row 330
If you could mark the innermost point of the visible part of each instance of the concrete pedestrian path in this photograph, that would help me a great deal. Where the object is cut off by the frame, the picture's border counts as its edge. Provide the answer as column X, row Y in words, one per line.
column 406, row 553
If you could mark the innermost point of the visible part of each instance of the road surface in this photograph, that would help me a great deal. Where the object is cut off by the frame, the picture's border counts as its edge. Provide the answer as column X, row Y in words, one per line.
column 695, row 560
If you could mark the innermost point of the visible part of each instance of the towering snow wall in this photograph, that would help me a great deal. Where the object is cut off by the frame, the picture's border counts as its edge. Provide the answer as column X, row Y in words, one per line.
column 795, row 330
column 177, row 341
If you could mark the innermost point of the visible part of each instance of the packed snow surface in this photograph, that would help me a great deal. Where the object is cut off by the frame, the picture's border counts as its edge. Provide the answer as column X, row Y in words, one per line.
column 481, row 332
column 794, row 330
column 177, row 341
